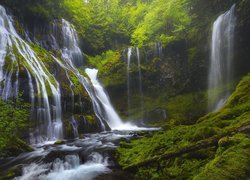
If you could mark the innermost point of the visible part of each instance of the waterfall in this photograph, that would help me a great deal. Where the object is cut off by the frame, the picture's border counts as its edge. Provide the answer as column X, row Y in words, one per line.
column 129, row 53
column 107, row 110
column 101, row 104
column 17, row 56
column 158, row 49
column 70, row 44
column 134, row 52
column 222, row 54
column 140, row 77
column 71, row 54
column 109, row 113
column 48, row 113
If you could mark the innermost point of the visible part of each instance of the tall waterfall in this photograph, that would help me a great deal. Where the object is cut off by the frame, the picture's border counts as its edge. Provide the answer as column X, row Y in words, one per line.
column 222, row 54
column 134, row 53
column 48, row 112
column 139, row 76
column 129, row 53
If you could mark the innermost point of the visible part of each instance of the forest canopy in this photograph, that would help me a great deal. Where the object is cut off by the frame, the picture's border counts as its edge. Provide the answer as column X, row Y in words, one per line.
column 102, row 23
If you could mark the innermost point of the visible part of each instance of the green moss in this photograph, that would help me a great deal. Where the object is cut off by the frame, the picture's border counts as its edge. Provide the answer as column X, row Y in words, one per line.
column 181, row 109
column 78, row 87
column 90, row 119
column 146, row 155
column 19, row 28
column 231, row 160
column 220, row 91
column 110, row 66
column 58, row 142
column 14, row 118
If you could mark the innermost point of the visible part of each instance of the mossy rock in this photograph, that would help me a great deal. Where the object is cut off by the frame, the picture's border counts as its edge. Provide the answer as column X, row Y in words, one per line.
column 16, row 146
column 90, row 119
column 59, row 142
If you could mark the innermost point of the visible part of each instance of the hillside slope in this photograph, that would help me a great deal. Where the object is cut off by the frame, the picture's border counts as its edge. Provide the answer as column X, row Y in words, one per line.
column 216, row 147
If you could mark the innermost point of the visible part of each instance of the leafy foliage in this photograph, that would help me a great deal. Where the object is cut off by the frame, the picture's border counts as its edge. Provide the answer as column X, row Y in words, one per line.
column 102, row 24
column 110, row 67
column 164, row 22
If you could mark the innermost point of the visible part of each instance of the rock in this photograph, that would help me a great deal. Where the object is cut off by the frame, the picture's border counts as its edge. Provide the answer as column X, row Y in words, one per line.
column 58, row 142
column 157, row 115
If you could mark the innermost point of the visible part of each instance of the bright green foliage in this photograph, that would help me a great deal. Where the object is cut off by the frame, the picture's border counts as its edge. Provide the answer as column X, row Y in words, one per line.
column 14, row 116
column 231, row 156
column 110, row 67
column 104, row 25
column 166, row 21
column 98, row 22
column 101, row 23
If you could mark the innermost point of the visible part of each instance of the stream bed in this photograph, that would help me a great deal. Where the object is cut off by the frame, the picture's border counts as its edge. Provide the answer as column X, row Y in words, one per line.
column 91, row 157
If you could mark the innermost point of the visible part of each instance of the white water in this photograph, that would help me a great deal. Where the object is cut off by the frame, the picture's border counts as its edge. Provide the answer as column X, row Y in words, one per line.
column 50, row 123
column 158, row 49
column 140, row 77
column 101, row 103
column 69, row 53
column 75, row 127
column 70, row 41
column 222, row 53
column 45, row 96
column 111, row 116
column 129, row 53
column 69, row 168
column 108, row 111
column 44, row 90
column 134, row 52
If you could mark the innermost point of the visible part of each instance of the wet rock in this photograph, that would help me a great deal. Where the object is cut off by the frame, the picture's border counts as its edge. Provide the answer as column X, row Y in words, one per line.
column 157, row 115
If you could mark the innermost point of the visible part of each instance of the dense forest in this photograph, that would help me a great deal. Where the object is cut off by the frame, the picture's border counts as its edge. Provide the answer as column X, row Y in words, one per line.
column 124, row 89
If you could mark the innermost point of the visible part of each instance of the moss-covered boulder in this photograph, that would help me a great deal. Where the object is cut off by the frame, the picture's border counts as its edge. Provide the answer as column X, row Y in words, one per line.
column 217, row 146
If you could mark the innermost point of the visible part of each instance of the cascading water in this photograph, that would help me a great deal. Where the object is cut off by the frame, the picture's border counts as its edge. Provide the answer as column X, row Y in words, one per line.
column 222, row 53
column 84, row 158
column 70, row 44
column 109, row 113
column 70, row 52
column 129, row 53
column 107, row 110
column 101, row 103
column 140, row 77
column 158, row 49
column 48, row 114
